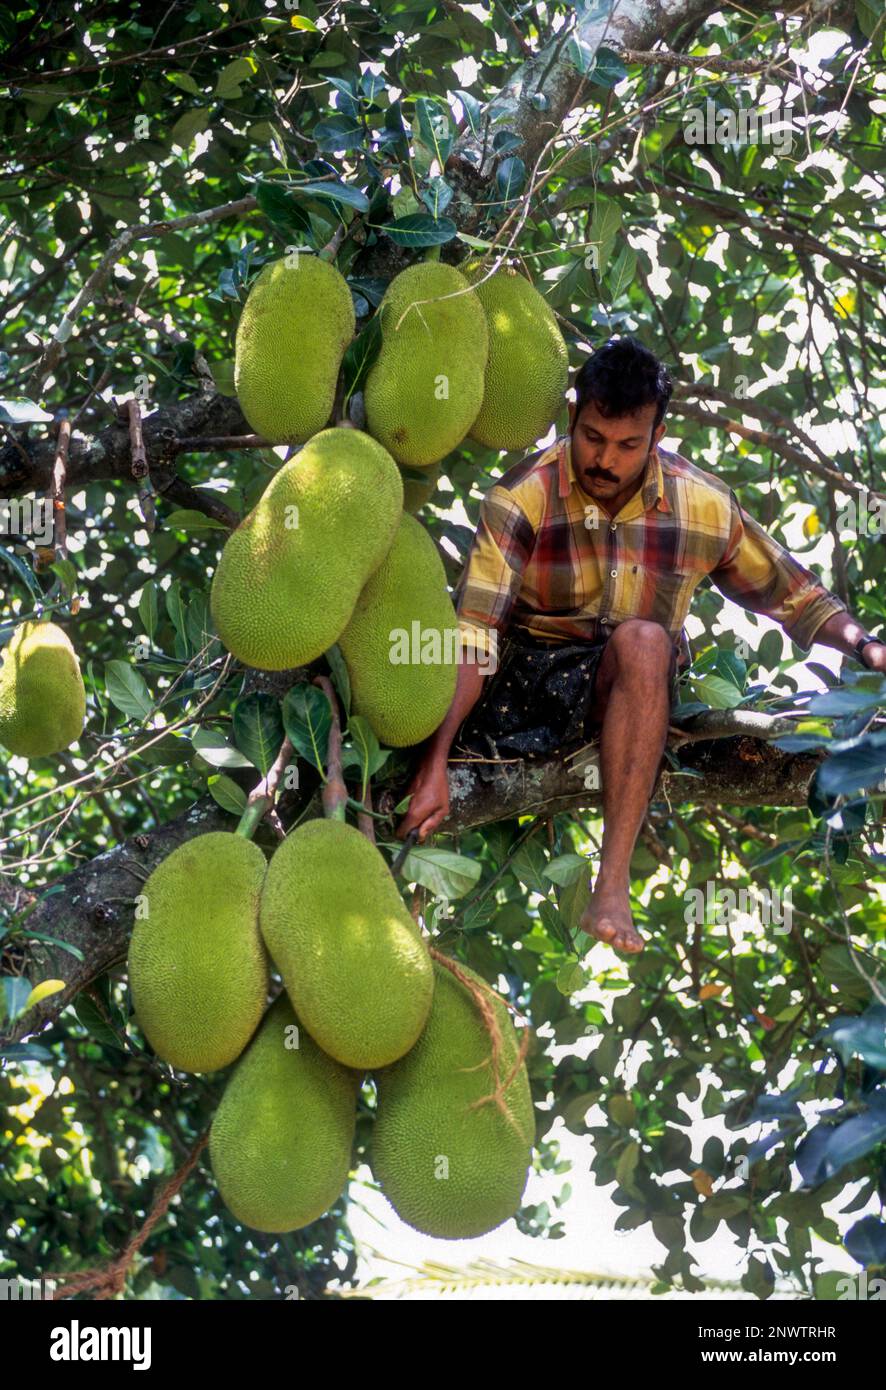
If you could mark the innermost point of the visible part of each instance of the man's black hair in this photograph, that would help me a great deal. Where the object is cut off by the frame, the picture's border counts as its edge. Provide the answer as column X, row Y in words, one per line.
column 620, row 378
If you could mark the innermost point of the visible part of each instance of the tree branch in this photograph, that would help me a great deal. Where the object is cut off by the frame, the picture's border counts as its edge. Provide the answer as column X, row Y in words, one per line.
column 92, row 910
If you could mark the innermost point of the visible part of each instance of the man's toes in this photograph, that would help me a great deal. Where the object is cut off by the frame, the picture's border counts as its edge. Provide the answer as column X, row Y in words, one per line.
column 604, row 930
column 630, row 942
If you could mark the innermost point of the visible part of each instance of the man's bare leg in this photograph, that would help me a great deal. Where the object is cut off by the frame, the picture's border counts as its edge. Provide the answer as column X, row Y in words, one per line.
column 633, row 689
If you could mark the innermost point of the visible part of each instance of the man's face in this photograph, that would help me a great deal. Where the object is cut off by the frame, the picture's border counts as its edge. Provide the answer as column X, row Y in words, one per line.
column 609, row 455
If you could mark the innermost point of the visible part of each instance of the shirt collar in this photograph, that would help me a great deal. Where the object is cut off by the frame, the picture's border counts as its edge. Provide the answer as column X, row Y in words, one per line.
column 651, row 494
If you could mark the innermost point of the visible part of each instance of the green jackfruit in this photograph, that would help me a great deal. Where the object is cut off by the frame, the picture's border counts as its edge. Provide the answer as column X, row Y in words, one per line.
column 425, row 387
column 448, row 1169
column 197, row 967
column 528, row 366
column 42, row 699
column 280, row 1143
column 354, row 963
column 290, row 574
column 295, row 326
column 418, row 491
column 401, row 643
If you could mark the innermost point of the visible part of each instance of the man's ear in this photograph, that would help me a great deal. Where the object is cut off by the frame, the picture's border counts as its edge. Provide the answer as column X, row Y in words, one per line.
column 658, row 434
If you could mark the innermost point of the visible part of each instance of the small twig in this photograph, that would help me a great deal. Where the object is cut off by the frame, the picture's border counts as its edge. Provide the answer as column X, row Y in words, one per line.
column 140, row 464
column 365, row 823
column 335, row 793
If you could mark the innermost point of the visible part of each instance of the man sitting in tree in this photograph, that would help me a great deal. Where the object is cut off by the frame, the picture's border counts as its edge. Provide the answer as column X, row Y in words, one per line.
column 585, row 561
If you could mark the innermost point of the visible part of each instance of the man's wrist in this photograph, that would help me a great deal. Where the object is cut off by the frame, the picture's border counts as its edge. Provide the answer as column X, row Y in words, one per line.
column 868, row 648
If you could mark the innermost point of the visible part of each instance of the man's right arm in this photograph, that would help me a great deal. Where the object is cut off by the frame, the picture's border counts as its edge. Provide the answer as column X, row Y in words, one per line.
column 486, row 594
column 430, row 786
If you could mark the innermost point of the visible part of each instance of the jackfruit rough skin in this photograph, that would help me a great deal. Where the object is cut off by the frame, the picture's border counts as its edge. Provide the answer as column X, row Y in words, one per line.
column 448, row 1170
column 418, row 491
column 197, row 966
column 283, row 593
column 293, row 331
column 280, row 1143
column 425, row 387
column 353, row 961
column 404, row 701
column 42, row 698
column 528, row 366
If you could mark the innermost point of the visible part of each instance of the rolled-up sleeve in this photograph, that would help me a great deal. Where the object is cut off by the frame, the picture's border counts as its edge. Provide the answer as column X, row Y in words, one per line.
column 761, row 575
column 494, row 569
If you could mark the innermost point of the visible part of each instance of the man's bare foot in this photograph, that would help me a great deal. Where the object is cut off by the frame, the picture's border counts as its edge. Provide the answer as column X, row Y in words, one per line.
column 608, row 918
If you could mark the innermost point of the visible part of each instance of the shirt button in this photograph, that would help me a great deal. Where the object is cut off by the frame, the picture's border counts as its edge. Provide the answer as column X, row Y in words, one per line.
column 613, row 574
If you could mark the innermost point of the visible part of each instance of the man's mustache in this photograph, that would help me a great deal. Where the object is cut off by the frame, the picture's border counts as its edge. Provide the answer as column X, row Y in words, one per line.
column 603, row 477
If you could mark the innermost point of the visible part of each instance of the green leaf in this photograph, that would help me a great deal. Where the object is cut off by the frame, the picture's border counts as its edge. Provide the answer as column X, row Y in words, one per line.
column 148, row 609
column 231, row 76
column 184, row 81
column 626, row 1167
column 227, row 793
column 127, row 689
column 420, row 230
column 621, row 273
column 175, row 607
column 22, row 571
column 472, row 109
column 838, row 970
column 339, row 132
column 282, row 210
column 570, row 978
column 334, row 191
column 565, row 869
column 529, row 864
column 445, row 874
column 213, row 748
column 307, row 719
column 510, row 177
column 185, row 520
column 258, row 729
column 16, row 992
column 97, row 1026
column 188, row 127
column 716, row 691
column 340, row 677
column 607, row 69
column 367, row 747
column 360, row 355
column 573, row 900
column 67, row 573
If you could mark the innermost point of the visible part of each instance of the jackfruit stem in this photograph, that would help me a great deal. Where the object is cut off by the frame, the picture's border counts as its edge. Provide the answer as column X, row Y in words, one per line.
column 264, row 794
column 335, row 793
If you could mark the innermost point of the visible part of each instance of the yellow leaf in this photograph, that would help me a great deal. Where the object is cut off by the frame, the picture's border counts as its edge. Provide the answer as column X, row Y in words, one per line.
column 711, row 991
column 702, row 1182
column 43, row 991
column 812, row 525
column 845, row 305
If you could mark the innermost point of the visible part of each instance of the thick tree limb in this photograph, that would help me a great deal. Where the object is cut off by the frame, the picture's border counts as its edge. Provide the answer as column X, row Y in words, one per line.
column 94, row 910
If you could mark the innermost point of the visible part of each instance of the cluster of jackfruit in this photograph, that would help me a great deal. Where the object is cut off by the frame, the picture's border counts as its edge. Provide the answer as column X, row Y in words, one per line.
column 361, row 994
column 42, row 697
column 330, row 553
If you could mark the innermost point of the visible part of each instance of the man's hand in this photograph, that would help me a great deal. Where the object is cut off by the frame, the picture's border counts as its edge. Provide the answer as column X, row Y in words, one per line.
column 430, row 800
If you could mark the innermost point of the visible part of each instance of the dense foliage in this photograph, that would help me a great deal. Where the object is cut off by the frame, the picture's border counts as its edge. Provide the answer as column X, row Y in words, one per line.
column 380, row 132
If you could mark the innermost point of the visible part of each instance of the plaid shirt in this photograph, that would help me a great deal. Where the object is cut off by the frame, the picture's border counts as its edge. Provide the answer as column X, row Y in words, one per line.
column 547, row 560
